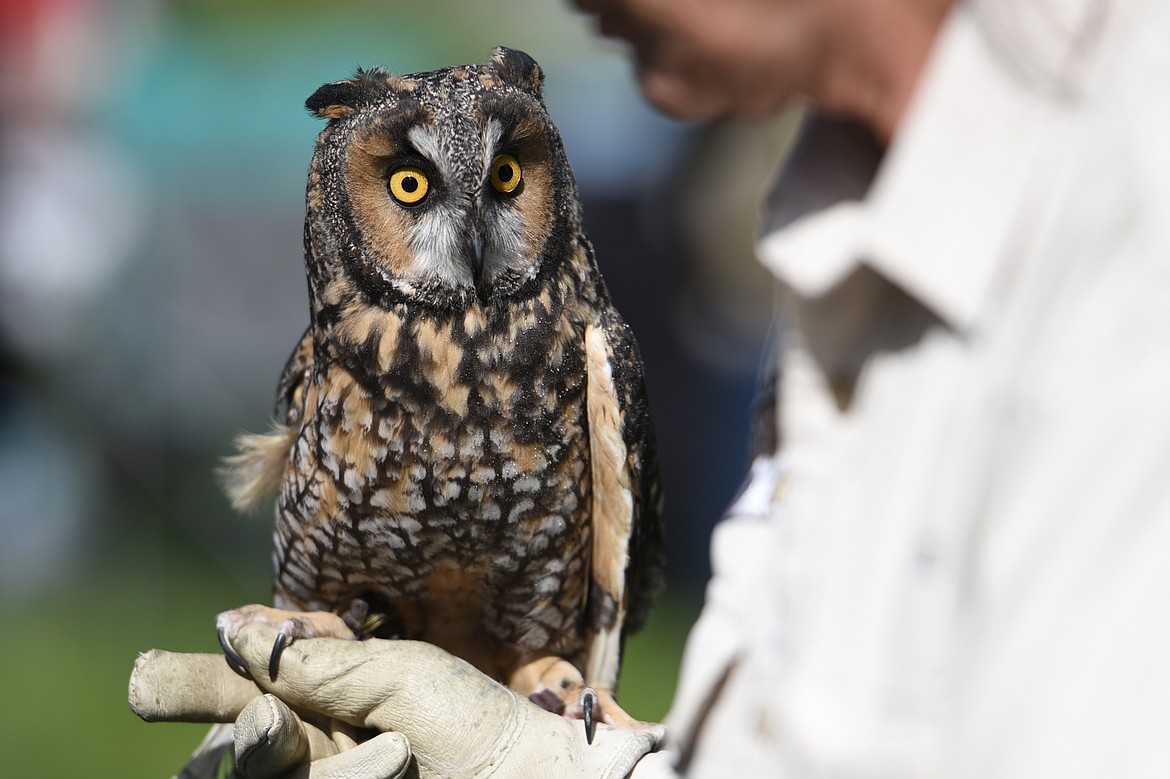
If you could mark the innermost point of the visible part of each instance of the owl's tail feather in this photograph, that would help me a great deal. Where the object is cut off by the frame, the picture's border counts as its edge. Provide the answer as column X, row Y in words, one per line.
column 254, row 472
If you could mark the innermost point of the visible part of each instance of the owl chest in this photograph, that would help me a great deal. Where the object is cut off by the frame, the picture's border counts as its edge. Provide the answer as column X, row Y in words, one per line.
column 484, row 464
column 488, row 475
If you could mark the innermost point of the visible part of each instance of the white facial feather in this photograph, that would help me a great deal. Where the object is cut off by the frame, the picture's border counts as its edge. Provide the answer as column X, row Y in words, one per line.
column 491, row 142
column 505, row 246
column 437, row 248
column 426, row 141
column 436, row 239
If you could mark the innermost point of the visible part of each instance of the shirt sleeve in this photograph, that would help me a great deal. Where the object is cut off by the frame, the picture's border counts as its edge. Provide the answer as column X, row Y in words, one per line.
column 724, row 631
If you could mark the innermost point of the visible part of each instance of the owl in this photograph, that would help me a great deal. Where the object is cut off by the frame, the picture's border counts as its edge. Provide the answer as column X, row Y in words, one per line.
column 463, row 451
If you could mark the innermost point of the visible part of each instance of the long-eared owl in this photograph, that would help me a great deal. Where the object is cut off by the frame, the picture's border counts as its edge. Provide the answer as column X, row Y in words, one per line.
column 464, row 453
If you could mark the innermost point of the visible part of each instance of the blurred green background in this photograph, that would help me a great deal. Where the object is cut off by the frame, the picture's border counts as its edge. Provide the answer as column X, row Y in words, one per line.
column 152, row 162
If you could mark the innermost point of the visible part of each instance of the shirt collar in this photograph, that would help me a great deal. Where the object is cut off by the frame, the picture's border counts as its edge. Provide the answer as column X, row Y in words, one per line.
column 935, row 215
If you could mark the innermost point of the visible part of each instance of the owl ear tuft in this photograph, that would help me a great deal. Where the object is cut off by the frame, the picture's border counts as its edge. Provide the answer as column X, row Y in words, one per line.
column 341, row 98
column 519, row 70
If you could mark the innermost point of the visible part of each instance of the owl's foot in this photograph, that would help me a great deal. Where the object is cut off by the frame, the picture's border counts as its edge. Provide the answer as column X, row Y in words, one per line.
column 290, row 625
column 596, row 704
column 557, row 686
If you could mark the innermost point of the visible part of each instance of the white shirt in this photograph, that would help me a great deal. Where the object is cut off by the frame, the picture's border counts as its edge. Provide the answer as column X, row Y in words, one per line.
column 965, row 568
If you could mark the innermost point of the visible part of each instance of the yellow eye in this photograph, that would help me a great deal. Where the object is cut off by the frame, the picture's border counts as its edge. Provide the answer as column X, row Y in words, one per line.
column 409, row 185
column 505, row 174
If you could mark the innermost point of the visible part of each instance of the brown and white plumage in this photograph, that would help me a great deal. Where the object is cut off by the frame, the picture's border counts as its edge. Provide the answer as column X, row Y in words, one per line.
column 463, row 451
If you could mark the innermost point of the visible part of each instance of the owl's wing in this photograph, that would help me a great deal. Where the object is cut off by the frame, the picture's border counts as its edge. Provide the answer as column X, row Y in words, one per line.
column 628, row 560
column 290, row 390
column 254, row 472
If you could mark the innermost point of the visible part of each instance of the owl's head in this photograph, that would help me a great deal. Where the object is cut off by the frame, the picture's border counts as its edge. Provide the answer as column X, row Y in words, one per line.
column 438, row 188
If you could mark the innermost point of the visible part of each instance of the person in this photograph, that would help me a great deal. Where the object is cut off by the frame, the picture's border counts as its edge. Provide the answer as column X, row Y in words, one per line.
column 955, row 562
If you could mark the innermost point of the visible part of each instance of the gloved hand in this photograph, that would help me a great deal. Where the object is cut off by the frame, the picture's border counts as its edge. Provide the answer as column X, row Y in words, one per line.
column 431, row 709
column 270, row 739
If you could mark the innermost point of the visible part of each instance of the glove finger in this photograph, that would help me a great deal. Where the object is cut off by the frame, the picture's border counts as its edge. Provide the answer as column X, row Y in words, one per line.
column 175, row 687
column 385, row 756
column 411, row 687
column 270, row 739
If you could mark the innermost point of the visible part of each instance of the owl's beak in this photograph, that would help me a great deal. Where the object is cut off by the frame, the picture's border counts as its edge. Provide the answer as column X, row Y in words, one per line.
column 475, row 256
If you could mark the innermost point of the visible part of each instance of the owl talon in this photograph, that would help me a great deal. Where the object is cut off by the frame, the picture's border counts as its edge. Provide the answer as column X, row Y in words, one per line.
column 234, row 661
column 588, row 702
column 283, row 639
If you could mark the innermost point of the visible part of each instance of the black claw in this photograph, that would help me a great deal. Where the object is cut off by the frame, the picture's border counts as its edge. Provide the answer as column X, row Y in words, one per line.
column 282, row 640
column 234, row 661
column 588, row 701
